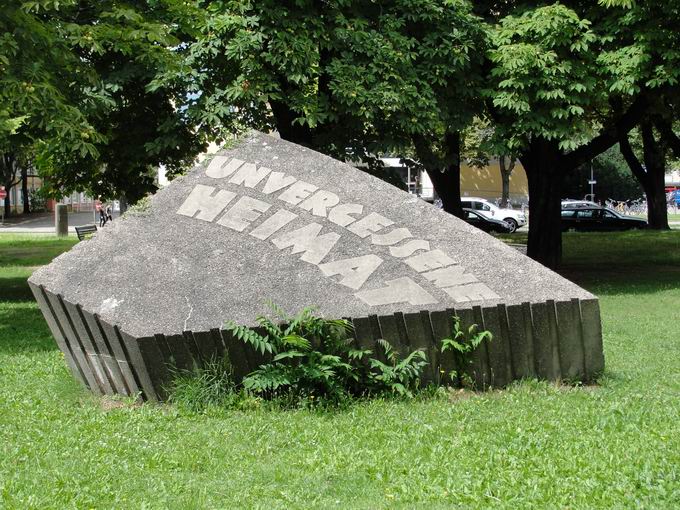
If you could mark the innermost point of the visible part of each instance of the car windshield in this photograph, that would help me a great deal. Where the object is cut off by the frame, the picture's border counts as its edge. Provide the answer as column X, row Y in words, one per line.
column 610, row 213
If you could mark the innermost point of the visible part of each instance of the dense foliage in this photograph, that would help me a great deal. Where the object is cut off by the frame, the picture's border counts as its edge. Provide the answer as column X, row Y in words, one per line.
column 98, row 94
column 348, row 78
column 316, row 358
column 76, row 99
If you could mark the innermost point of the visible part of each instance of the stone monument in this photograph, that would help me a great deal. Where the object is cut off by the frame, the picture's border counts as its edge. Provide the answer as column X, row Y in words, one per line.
column 270, row 221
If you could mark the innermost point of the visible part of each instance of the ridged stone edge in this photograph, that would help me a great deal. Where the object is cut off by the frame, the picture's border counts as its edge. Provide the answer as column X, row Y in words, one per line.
column 552, row 341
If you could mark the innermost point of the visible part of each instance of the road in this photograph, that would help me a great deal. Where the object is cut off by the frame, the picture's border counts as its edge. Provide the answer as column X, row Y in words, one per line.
column 43, row 223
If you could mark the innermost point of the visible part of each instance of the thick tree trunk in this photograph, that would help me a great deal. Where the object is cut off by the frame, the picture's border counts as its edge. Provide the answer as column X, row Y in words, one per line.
column 449, row 180
column 545, row 166
column 447, row 186
column 541, row 162
column 655, row 163
column 24, row 188
column 289, row 130
column 650, row 176
column 444, row 173
column 657, row 205
column 122, row 204
column 668, row 136
column 506, row 172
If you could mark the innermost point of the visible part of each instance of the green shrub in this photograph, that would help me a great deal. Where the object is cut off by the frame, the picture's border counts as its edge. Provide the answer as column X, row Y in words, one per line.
column 314, row 361
column 313, row 358
column 140, row 208
column 401, row 376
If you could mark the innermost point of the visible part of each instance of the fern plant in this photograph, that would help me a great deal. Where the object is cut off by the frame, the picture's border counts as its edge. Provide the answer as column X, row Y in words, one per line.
column 316, row 358
column 463, row 344
column 400, row 376
column 311, row 356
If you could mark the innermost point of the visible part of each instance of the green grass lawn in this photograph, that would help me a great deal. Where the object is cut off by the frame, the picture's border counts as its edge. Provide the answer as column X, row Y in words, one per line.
column 671, row 216
column 616, row 445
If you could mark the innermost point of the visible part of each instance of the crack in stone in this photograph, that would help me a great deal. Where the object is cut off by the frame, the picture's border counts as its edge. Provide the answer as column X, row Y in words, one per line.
column 191, row 310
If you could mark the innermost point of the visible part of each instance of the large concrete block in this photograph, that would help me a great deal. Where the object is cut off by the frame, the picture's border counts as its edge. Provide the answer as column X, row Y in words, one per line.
column 272, row 221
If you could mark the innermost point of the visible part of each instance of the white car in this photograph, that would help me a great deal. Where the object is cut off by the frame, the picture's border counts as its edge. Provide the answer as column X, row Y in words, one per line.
column 515, row 219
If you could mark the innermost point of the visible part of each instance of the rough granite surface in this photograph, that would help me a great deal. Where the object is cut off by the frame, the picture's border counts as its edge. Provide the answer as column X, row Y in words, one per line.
column 164, row 271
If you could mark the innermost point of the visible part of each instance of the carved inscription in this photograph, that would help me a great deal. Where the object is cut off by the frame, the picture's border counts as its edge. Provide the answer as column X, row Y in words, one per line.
column 432, row 267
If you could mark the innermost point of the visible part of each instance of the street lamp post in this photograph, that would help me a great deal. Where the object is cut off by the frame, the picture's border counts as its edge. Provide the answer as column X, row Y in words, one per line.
column 592, row 183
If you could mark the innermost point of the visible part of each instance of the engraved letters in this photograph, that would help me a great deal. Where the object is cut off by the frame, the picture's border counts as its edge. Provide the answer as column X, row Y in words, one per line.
column 435, row 268
column 202, row 201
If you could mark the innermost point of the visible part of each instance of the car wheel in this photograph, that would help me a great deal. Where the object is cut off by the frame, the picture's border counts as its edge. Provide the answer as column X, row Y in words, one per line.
column 512, row 223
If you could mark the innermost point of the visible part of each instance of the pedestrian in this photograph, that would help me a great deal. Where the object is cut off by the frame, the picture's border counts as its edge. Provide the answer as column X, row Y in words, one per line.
column 102, row 217
column 109, row 213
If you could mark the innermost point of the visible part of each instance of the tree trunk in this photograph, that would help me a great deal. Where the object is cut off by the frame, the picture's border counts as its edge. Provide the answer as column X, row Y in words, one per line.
column 657, row 205
column 289, row 130
column 670, row 139
column 8, row 172
column 24, row 188
column 506, row 172
column 444, row 173
column 447, row 186
column 545, row 166
column 449, row 180
column 650, row 176
column 655, row 163
column 122, row 204
column 541, row 162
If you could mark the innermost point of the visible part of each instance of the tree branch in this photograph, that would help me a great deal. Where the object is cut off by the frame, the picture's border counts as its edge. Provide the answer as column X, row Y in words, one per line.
column 672, row 140
column 609, row 136
column 632, row 160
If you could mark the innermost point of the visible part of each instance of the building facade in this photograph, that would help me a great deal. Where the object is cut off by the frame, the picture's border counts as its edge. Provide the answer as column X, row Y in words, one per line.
column 481, row 182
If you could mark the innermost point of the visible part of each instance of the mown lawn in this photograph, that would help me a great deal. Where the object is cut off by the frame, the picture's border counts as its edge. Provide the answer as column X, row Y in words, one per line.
column 616, row 445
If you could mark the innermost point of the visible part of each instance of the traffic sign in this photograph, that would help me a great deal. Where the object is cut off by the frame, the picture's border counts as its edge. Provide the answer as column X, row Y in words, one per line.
column 592, row 181
column 3, row 193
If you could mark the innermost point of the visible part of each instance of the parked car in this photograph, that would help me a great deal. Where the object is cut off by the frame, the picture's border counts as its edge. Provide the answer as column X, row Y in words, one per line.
column 475, row 219
column 675, row 197
column 598, row 219
column 491, row 211
column 578, row 204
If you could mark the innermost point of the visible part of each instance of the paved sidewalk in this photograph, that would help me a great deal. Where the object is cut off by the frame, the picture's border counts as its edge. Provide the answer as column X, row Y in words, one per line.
column 43, row 223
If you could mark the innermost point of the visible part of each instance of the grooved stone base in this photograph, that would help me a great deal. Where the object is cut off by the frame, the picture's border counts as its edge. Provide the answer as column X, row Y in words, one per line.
column 552, row 340
column 267, row 220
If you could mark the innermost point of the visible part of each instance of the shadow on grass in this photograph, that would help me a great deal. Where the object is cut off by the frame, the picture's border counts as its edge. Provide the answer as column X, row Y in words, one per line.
column 15, row 288
column 623, row 279
column 23, row 329
column 31, row 250
column 612, row 263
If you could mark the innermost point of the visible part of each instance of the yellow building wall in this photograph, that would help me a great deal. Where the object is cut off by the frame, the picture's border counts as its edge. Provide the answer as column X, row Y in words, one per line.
column 486, row 182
